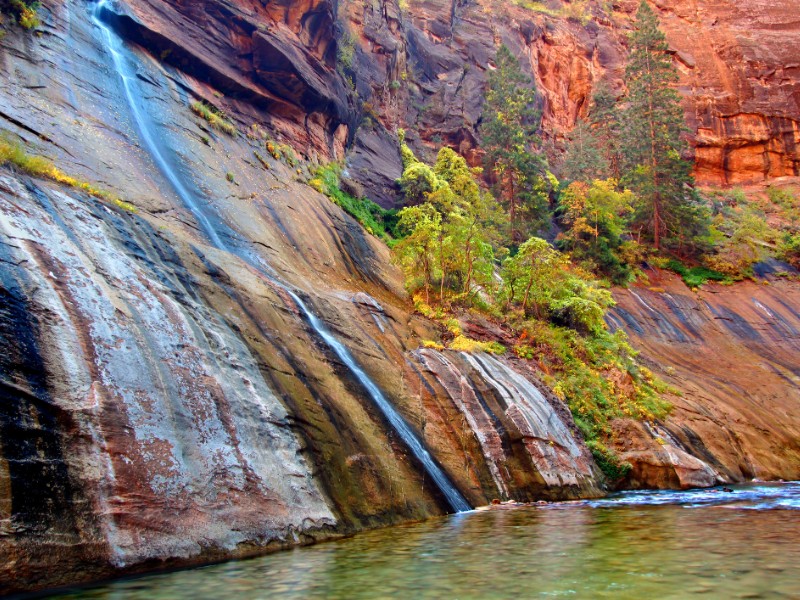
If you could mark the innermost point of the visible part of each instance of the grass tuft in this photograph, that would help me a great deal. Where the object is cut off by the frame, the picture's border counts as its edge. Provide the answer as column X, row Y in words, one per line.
column 13, row 154
column 215, row 117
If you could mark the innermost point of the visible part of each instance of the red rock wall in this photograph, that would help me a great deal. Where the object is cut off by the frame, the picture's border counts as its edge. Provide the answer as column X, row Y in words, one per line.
column 741, row 79
column 740, row 72
column 733, row 352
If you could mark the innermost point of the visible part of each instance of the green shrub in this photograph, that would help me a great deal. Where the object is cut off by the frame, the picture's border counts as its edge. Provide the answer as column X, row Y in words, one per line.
column 288, row 155
column 345, row 52
column 25, row 12
column 696, row 276
column 596, row 374
column 375, row 219
column 789, row 249
column 609, row 463
column 782, row 198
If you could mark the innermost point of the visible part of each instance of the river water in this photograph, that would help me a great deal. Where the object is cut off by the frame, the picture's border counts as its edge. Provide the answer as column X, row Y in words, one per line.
column 640, row 545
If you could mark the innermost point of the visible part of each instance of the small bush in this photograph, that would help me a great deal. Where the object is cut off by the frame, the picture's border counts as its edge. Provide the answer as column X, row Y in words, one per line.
column 782, row 198
column 345, row 52
column 464, row 344
column 609, row 463
column 214, row 117
column 25, row 12
column 789, row 249
column 696, row 276
column 375, row 219
column 431, row 344
column 273, row 149
column 288, row 155
column 261, row 159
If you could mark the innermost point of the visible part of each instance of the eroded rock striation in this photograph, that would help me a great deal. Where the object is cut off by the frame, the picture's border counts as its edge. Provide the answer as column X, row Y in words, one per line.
column 733, row 354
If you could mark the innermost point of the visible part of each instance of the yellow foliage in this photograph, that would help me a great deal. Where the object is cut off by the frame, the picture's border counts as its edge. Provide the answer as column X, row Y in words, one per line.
column 12, row 153
column 214, row 117
column 465, row 344
column 431, row 344
column 317, row 184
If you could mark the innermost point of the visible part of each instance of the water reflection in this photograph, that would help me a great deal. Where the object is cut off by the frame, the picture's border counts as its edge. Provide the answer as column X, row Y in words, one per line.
column 641, row 545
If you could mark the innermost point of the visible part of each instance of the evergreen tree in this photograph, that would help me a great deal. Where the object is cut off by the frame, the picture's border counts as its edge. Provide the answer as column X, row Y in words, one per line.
column 593, row 146
column 652, row 143
column 604, row 118
column 509, row 130
column 584, row 160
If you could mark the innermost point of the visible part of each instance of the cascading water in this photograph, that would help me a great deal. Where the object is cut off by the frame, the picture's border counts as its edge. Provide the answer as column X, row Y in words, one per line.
column 114, row 45
column 454, row 498
column 160, row 157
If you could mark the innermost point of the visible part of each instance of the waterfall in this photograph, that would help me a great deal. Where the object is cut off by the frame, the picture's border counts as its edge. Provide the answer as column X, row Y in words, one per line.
column 454, row 497
column 159, row 156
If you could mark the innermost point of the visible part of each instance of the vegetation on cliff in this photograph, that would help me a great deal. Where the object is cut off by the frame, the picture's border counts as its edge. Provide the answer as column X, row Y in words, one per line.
column 635, row 147
column 652, row 143
column 13, row 154
column 454, row 254
column 214, row 117
column 535, row 255
column 24, row 12
column 628, row 193
column 510, row 137
column 376, row 220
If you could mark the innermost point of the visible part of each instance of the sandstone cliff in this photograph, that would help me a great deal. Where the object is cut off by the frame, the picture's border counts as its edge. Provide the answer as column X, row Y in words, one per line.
column 166, row 401
column 424, row 68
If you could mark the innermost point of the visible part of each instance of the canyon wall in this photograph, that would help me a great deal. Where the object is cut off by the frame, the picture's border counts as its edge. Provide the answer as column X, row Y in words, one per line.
column 425, row 67
column 731, row 353
column 164, row 399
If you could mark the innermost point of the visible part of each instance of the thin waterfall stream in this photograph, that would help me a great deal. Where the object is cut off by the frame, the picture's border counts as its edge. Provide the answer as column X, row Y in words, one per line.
column 150, row 139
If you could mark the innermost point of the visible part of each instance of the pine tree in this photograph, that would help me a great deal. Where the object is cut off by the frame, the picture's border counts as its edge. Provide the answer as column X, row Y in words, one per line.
column 592, row 150
column 509, row 130
column 652, row 143
column 604, row 119
column 584, row 160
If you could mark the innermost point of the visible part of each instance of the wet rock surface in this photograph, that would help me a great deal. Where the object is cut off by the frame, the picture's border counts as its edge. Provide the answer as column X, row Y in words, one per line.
column 515, row 423
column 733, row 353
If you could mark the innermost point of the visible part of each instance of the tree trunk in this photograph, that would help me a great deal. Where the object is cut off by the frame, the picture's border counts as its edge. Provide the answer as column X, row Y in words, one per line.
column 527, row 295
column 654, row 165
column 441, row 264
column 427, row 268
column 468, row 255
column 512, row 207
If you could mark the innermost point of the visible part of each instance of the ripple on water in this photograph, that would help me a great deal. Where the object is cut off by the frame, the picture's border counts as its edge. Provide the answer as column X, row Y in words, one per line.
column 766, row 496
column 666, row 545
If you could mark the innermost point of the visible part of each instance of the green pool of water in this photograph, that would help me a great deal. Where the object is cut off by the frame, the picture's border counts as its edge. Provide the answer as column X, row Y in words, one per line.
column 712, row 544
